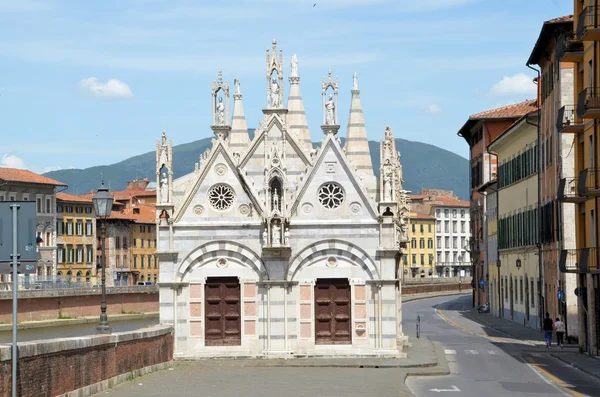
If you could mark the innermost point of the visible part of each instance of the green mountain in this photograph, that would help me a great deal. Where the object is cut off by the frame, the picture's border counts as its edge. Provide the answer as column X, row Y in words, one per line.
column 424, row 165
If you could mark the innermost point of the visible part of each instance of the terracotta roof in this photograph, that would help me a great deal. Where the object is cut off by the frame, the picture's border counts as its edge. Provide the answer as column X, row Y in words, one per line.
column 127, row 194
column 417, row 196
column 448, row 202
column 420, row 215
column 120, row 215
column 549, row 28
column 73, row 198
column 26, row 176
column 516, row 110
column 147, row 213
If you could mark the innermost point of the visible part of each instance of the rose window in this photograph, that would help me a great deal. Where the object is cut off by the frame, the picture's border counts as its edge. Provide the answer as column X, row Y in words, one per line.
column 221, row 197
column 331, row 195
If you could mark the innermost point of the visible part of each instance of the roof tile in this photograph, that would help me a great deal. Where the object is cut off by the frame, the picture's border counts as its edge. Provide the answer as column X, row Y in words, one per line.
column 73, row 198
column 26, row 176
column 515, row 110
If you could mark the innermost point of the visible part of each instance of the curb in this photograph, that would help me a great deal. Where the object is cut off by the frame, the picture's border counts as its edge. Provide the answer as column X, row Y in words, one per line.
column 411, row 298
column 578, row 367
column 76, row 321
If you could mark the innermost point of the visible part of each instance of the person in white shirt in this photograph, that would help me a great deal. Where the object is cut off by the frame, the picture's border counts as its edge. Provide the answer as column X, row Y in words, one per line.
column 559, row 327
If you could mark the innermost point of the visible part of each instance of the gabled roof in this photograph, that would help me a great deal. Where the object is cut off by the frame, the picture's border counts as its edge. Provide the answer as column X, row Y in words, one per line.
column 141, row 213
column 549, row 29
column 26, row 176
column 448, row 202
column 71, row 198
column 514, row 111
column 421, row 215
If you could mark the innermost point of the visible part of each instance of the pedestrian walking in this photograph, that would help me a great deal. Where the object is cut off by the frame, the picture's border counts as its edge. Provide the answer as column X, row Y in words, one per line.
column 548, row 328
column 559, row 327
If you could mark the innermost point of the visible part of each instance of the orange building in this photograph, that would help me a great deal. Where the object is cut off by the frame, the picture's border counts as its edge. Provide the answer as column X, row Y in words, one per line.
column 144, row 264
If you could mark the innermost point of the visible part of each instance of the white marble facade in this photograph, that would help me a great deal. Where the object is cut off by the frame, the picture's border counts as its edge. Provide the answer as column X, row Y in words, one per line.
column 281, row 219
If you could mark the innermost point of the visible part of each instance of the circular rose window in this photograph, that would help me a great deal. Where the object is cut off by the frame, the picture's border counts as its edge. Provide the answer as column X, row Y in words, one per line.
column 331, row 195
column 221, row 197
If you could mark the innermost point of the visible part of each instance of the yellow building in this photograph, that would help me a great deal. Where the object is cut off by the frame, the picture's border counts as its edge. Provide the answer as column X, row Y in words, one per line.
column 420, row 260
column 518, row 220
column 143, row 263
column 75, row 238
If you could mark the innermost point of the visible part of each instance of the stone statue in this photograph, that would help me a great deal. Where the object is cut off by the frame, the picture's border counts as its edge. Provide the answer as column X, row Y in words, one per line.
column 276, row 235
column 387, row 184
column 265, row 237
column 237, row 86
column 330, row 108
column 220, row 112
column 286, row 237
column 355, row 83
column 294, row 64
column 164, row 188
column 275, row 199
column 164, row 139
column 274, row 94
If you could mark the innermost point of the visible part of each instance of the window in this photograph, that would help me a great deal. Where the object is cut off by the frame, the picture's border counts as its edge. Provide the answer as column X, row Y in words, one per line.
column 79, row 228
column 79, row 210
column 118, row 242
column 447, row 255
column 521, row 289
column 438, row 226
column 142, row 243
column 462, row 226
column 142, row 229
column 430, row 243
column 135, row 242
column 414, row 228
column 422, row 228
column 421, row 243
column 439, row 241
column 142, row 261
column 422, row 259
column 60, row 228
column 89, row 254
column 463, row 243
column 462, row 213
column 430, row 259
column 429, row 228
column 454, row 242
column 117, row 261
column 414, row 259
column 446, row 213
column 532, row 292
column 79, row 254
column 39, row 205
column 413, row 243
column 48, row 205
column 331, row 196
column 454, row 257
column 447, row 242
column 439, row 257
column 438, row 212
column 60, row 254
column 149, row 245
column 454, row 227
column 124, row 242
column 88, row 210
column 69, row 209
column 135, row 261
column 453, row 213
column 71, row 254
column 447, row 226
column 88, row 228
column 69, row 228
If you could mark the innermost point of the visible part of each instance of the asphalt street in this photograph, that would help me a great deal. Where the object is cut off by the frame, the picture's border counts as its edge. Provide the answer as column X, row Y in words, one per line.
column 487, row 365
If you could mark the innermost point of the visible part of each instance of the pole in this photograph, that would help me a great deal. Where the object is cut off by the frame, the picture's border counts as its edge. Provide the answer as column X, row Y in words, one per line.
column 103, row 327
column 15, row 264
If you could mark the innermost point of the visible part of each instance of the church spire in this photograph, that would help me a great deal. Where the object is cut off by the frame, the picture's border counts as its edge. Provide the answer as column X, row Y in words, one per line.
column 296, row 117
column 357, row 144
column 238, row 138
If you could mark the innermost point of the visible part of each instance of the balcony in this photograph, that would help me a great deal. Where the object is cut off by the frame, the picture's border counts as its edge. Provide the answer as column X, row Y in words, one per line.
column 587, row 184
column 567, row 121
column 569, row 49
column 588, row 103
column 587, row 25
column 568, row 192
column 583, row 260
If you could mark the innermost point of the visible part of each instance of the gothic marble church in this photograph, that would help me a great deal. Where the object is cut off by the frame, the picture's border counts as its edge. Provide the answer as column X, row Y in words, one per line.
column 273, row 247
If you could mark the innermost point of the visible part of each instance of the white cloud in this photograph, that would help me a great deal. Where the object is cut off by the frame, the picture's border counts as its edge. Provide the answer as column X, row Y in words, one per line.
column 12, row 161
column 50, row 168
column 113, row 88
column 519, row 84
column 433, row 108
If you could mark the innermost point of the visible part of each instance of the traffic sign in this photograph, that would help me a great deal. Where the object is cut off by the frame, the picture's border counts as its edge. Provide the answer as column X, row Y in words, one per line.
column 560, row 295
column 481, row 283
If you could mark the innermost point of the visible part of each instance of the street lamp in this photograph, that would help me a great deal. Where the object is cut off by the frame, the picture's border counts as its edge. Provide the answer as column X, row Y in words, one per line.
column 518, row 263
column 103, row 201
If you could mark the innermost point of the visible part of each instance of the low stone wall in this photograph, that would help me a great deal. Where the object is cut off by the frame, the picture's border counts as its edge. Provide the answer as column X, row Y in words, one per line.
column 36, row 305
column 86, row 365
column 413, row 289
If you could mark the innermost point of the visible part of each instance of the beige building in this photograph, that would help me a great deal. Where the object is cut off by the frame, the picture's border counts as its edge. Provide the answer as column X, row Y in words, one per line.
column 518, row 220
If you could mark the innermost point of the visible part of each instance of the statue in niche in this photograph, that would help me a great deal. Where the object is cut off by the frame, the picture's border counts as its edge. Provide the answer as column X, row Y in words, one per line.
column 265, row 237
column 403, row 230
column 355, row 82
column 330, row 108
column 164, row 188
column 274, row 94
column 387, row 183
column 286, row 237
column 276, row 235
column 237, row 86
column 220, row 112
column 294, row 65
column 275, row 199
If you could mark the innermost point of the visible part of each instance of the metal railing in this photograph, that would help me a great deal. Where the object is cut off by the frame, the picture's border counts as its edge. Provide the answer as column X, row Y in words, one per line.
column 567, row 43
column 587, row 183
column 588, row 99
column 566, row 116
column 586, row 20
column 582, row 260
column 568, row 191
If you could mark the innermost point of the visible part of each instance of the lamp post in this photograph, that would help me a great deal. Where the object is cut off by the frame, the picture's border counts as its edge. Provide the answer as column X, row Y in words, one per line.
column 498, row 283
column 103, row 201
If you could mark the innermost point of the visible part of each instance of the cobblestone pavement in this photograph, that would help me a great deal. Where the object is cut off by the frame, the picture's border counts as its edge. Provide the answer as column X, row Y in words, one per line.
column 190, row 379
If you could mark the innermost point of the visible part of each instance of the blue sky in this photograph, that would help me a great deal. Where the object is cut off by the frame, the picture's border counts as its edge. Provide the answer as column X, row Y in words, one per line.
column 85, row 83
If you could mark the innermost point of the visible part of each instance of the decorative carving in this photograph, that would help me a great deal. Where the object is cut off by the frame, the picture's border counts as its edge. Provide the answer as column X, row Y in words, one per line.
column 220, row 112
column 330, row 109
column 220, row 169
column 274, row 94
column 286, row 237
column 275, row 235
column 221, row 197
column 330, row 167
column 222, row 263
column 265, row 237
column 198, row 210
column 307, row 208
column 355, row 207
column 274, row 78
column 387, row 183
column 244, row 209
column 164, row 188
column 332, row 262
column 331, row 195
column 330, row 114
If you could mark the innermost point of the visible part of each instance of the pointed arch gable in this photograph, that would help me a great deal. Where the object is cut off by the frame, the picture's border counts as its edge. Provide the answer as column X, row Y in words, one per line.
column 226, row 248
column 330, row 247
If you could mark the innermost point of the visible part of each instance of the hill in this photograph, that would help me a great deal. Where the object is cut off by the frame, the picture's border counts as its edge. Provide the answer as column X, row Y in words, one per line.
column 424, row 165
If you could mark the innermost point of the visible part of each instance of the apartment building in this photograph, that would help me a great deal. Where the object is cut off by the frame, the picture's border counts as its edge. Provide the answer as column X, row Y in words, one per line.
column 75, row 238
column 420, row 260
column 144, row 264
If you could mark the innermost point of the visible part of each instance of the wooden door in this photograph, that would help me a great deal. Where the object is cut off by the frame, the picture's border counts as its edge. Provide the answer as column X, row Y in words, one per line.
column 222, row 311
column 332, row 312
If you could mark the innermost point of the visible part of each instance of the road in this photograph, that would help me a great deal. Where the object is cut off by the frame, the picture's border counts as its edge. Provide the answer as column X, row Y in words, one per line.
column 487, row 366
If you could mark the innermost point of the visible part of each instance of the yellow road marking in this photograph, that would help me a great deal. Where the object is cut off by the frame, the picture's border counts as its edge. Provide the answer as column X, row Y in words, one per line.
column 441, row 313
column 562, row 385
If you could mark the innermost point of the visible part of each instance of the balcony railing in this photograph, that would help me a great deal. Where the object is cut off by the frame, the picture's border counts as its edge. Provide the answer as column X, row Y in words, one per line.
column 583, row 260
column 453, row 264
column 588, row 183
column 588, row 103
column 568, row 192
column 587, row 24
column 567, row 121
column 569, row 49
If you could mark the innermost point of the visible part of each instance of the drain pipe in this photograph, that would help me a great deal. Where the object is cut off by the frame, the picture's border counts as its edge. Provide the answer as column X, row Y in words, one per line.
column 539, row 205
